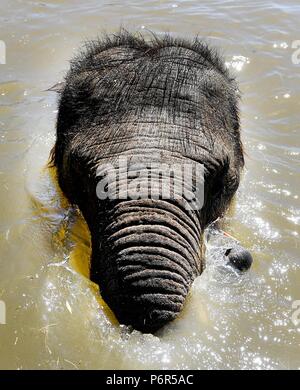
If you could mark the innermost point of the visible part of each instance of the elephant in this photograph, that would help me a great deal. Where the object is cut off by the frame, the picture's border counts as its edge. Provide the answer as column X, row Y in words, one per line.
column 164, row 100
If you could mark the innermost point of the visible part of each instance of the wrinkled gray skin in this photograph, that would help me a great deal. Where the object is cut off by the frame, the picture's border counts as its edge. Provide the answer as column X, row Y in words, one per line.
column 168, row 100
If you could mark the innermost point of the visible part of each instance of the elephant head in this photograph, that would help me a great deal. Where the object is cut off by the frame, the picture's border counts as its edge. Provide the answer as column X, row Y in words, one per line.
column 164, row 102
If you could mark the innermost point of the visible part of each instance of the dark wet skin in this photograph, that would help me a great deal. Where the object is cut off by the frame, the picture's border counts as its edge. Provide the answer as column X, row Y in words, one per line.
column 239, row 257
column 235, row 254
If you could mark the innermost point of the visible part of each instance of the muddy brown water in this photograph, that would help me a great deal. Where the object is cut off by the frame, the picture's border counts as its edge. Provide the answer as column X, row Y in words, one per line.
column 54, row 315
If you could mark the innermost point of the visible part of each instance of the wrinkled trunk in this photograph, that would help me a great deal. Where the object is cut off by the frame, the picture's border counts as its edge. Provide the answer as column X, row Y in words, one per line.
column 146, row 260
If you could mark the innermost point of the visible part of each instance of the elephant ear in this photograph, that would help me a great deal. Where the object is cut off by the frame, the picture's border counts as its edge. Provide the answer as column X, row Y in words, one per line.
column 58, row 87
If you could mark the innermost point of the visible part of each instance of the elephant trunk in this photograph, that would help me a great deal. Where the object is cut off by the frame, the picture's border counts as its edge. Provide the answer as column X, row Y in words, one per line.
column 146, row 260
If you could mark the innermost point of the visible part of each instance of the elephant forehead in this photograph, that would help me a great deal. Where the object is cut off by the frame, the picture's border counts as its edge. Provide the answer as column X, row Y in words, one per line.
column 170, row 79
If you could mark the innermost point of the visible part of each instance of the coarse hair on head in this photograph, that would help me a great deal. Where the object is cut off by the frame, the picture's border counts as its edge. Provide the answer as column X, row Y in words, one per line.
column 147, row 44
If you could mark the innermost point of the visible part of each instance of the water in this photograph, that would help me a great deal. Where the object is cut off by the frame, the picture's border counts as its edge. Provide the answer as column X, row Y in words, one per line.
column 54, row 315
